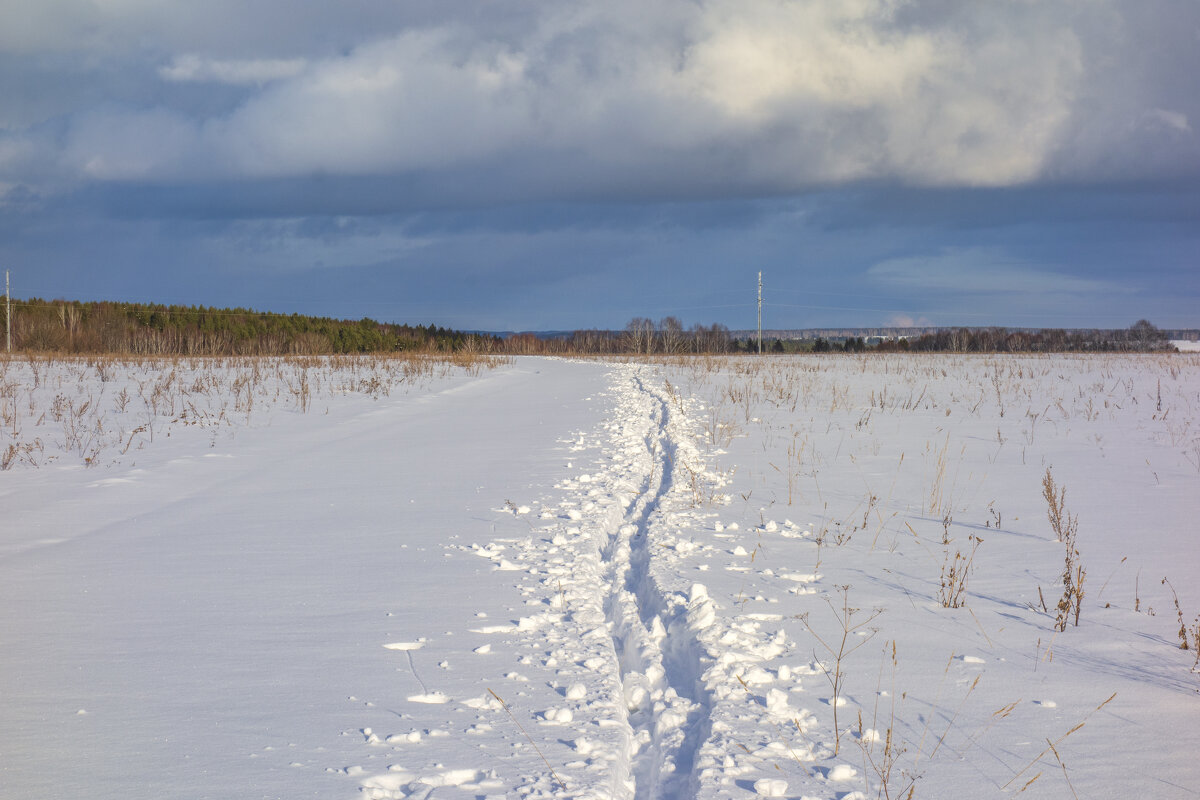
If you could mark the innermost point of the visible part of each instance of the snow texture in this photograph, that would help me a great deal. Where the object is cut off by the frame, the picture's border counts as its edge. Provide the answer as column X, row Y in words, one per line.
column 714, row 578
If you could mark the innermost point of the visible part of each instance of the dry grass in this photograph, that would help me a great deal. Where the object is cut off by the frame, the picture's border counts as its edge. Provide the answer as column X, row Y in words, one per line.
column 841, row 649
column 955, row 571
column 808, row 433
column 1189, row 637
column 97, row 409
column 884, row 753
column 1052, row 747
column 536, row 749
column 1065, row 526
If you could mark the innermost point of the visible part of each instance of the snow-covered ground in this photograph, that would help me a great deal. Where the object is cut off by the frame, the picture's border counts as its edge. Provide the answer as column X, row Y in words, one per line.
column 824, row 577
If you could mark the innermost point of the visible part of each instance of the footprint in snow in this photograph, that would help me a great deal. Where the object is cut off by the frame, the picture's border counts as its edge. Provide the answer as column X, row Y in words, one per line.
column 431, row 698
column 576, row 691
column 108, row 482
column 557, row 716
column 400, row 783
column 770, row 787
column 486, row 702
column 839, row 773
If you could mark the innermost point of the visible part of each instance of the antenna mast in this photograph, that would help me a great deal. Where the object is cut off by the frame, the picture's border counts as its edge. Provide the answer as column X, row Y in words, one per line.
column 760, row 312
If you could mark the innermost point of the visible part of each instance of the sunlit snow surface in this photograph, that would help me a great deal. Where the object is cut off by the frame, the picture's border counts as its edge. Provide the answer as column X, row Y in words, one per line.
column 591, row 579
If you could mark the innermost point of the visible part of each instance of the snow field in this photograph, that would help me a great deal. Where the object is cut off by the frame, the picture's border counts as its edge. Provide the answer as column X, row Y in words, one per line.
column 892, row 465
column 757, row 655
column 785, row 577
column 221, row 608
column 101, row 410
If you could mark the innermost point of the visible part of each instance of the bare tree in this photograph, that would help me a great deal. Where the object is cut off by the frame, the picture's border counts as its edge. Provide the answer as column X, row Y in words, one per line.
column 671, row 335
column 639, row 335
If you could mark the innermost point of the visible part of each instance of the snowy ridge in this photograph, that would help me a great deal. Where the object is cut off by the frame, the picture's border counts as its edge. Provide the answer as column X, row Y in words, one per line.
column 616, row 624
column 653, row 633
column 667, row 694
column 626, row 650
column 710, row 654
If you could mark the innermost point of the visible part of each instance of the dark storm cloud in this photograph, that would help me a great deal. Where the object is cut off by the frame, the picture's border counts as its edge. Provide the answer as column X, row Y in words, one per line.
column 760, row 96
column 1174, row 202
column 581, row 163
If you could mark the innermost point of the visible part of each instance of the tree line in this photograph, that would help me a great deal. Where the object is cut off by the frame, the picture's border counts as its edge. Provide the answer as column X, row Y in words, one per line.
column 642, row 336
column 151, row 329
column 668, row 336
column 62, row 326
column 1142, row 336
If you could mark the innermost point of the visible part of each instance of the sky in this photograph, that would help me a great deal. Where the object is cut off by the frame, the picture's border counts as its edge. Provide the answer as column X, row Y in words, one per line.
column 555, row 164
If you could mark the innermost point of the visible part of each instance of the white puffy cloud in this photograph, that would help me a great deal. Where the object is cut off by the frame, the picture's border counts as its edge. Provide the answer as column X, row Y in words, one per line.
column 863, row 97
column 403, row 103
column 236, row 71
column 736, row 95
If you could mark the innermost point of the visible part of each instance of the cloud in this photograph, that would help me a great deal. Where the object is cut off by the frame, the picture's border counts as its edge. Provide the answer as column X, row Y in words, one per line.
column 906, row 321
column 981, row 271
column 1171, row 120
column 405, row 103
column 239, row 71
column 116, row 144
column 676, row 99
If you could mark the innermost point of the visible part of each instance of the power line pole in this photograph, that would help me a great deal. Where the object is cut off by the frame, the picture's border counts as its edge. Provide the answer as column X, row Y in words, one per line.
column 7, row 316
column 760, row 312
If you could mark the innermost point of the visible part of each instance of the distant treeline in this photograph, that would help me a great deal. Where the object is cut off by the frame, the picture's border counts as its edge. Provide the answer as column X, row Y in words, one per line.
column 1142, row 336
column 147, row 329
column 65, row 326
column 641, row 336
column 669, row 337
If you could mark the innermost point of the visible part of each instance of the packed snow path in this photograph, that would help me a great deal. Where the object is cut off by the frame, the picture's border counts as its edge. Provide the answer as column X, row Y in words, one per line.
column 657, row 652
column 670, row 680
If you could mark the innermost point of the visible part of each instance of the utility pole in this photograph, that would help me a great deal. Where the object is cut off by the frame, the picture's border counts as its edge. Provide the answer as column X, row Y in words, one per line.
column 7, row 316
column 760, row 312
